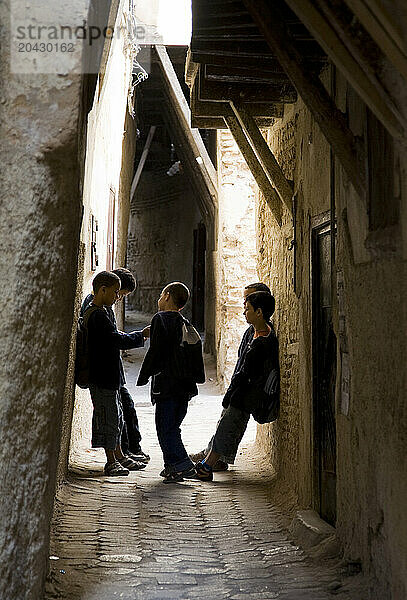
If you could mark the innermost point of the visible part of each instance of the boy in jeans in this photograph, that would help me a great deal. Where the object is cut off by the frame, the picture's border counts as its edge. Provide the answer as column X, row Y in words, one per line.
column 105, row 378
column 169, row 393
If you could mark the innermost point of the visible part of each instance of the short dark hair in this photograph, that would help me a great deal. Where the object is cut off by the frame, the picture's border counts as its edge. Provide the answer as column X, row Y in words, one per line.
column 259, row 287
column 104, row 278
column 178, row 292
column 128, row 281
column 262, row 300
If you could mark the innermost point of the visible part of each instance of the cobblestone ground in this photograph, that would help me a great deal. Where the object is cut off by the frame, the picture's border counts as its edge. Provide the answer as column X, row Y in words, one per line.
column 136, row 538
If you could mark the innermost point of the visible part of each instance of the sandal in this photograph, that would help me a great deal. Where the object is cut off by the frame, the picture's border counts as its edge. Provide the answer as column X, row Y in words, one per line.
column 173, row 477
column 115, row 469
column 132, row 465
column 204, row 472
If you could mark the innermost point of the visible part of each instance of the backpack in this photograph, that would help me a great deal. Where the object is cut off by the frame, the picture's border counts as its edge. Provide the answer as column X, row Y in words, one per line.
column 268, row 405
column 82, row 353
column 186, row 361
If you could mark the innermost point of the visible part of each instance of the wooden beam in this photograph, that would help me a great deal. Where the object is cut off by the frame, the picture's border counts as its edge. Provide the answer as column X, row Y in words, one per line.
column 188, row 160
column 265, row 156
column 142, row 161
column 217, row 91
column 219, row 123
column 255, row 167
column 183, row 114
column 343, row 55
column 382, row 30
column 324, row 110
column 202, row 108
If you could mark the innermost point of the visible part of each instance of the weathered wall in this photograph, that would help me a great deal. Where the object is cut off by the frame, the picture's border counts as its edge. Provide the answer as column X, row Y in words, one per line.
column 110, row 146
column 371, row 434
column 160, row 249
column 39, row 229
column 235, row 258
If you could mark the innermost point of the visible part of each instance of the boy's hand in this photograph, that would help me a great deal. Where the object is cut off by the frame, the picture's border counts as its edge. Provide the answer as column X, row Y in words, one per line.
column 146, row 332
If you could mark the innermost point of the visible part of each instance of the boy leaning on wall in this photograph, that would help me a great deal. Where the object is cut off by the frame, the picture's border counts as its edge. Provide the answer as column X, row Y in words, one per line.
column 104, row 345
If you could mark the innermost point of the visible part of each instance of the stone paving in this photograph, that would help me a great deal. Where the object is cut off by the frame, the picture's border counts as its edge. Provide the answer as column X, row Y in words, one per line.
column 136, row 538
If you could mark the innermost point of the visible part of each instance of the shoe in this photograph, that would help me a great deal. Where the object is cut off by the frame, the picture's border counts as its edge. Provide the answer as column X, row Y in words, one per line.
column 198, row 456
column 204, row 472
column 220, row 465
column 139, row 456
column 115, row 469
column 190, row 473
column 132, row 465
column 166, row 471
column 173, row 477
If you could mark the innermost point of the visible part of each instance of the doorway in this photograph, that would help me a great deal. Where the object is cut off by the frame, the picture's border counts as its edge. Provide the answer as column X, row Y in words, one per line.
column 198, row 288
column 324, row 372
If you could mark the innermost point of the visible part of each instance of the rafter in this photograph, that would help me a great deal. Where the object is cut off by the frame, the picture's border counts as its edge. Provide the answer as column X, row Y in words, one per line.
column 345, row 55
column 265, row 156
column 256, row 168
column 324, row 110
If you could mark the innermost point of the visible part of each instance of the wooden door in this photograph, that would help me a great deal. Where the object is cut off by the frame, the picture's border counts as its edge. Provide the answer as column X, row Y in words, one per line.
column 198, row 289
column 324, row 375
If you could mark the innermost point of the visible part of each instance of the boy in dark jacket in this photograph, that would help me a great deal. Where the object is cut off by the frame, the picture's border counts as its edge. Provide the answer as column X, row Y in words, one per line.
column 105, row 377
column 258, row 355
column 131, row 436
column 169, row 393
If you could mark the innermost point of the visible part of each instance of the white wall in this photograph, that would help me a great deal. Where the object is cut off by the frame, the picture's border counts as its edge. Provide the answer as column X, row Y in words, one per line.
column 104, row 154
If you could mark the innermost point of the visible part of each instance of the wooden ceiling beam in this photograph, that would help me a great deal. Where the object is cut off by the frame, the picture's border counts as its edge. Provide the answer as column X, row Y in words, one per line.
column 202, row 108
column 343, row 52
column 204, row 167
column 243, row 73
column 256, row 169
column 264, row 155
column 218, row 91
column 322, row 107
column 219, row 123
column 385, row 32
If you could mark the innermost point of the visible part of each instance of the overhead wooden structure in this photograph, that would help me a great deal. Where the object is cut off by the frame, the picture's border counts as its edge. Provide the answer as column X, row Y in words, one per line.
column 162, row 107
column 248, row 58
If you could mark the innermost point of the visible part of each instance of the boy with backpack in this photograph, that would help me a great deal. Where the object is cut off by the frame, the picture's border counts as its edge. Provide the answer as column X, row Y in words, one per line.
column 131, row 436
column 104, row 343
column 175, row 363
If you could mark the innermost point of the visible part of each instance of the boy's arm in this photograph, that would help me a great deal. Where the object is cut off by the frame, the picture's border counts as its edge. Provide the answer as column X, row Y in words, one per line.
column 153, row 360
column 100, row 322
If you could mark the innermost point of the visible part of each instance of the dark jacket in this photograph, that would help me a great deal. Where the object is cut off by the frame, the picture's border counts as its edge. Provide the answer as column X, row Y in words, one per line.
column 105, row 343
column 256, row 358
column 165, row 334
column 87, row 302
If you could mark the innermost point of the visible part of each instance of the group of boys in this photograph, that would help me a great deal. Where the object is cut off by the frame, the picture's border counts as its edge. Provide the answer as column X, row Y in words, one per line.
column 114, row 423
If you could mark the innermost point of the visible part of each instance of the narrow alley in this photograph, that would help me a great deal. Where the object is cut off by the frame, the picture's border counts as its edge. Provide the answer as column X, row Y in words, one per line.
column 244, row 162
column 135, row 538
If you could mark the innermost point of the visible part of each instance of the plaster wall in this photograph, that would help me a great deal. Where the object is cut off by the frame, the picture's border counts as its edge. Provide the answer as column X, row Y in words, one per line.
column 235, row 264
column 39, row 230
column 110, row 146
column 370, row 324
column 163, row 217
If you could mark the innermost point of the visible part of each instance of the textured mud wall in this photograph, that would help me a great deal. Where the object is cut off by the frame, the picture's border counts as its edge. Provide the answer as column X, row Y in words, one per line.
column 39, row 232
column 236, row 254
column 160, row 248
column 370, row 322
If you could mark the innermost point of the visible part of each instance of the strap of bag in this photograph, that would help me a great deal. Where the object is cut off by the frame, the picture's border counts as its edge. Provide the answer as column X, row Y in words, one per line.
column 88, row 312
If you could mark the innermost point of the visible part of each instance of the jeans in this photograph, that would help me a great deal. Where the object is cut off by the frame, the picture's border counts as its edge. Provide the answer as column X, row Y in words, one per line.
column 229, row 432
column 169, row 414
column 131, row 436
